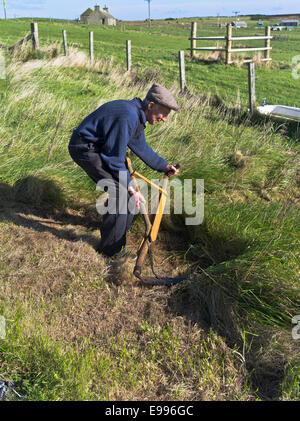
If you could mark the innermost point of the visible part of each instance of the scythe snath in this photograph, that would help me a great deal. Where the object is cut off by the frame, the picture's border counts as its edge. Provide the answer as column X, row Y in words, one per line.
column 151, row 230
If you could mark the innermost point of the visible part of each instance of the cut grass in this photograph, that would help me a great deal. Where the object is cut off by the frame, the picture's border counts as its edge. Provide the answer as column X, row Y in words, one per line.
column 72, row 335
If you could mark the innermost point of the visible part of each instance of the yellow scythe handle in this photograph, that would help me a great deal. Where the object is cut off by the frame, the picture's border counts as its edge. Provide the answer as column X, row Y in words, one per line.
column 151, row 231
column 144, row 246
column 161, row 207
column 160, row 210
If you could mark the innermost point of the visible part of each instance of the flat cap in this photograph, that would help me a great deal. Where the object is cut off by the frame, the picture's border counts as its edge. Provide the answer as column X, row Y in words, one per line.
column 162, row 96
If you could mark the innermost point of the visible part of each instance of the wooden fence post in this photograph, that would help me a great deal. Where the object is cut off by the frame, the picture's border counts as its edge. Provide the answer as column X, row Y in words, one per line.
column 92, row 47
column 35, row 36
column 182, row 71
column 193, row 35
column 251, row 85
column 64, row 34
column 228, row 43
column 128, row 54
column 267, row 43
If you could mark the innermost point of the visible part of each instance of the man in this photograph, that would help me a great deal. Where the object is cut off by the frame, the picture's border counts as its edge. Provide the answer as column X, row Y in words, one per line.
column 99, row 144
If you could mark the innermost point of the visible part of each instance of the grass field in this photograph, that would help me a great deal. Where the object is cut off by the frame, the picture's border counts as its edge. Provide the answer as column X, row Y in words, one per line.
column 155, row 50
column 80, row 328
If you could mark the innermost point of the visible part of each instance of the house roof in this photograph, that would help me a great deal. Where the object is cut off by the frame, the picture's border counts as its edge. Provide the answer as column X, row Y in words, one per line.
column 100, row 13
column 106, row 14
column 87, row 12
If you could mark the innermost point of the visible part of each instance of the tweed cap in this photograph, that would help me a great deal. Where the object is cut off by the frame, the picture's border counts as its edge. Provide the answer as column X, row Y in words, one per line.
column 162, row 96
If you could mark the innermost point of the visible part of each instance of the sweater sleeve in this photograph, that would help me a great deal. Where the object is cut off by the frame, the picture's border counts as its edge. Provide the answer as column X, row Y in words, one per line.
column 141, row 148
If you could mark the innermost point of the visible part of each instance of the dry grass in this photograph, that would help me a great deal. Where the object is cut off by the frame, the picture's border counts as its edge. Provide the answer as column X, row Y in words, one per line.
column 73, row 296
column 236, row 59
column 159, row 343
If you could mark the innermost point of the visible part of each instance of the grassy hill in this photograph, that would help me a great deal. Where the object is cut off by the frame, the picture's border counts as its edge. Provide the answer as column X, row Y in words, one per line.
column 81, row 328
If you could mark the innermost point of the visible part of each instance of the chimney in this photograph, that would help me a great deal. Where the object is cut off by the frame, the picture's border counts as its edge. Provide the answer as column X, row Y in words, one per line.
column 105, row 8
column 97, row 8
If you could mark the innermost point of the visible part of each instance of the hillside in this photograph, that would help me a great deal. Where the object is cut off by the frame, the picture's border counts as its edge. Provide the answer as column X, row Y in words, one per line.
column 81, row 328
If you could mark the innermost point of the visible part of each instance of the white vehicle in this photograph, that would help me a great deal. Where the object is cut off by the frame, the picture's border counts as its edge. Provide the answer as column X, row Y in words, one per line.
column 277, row 27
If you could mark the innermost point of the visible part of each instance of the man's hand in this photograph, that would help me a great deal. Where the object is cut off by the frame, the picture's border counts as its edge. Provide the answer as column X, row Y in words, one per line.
column 171, row 170
column 138, row 197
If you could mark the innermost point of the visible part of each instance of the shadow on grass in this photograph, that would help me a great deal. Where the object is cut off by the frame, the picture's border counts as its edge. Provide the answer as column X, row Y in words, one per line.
column 40, row 205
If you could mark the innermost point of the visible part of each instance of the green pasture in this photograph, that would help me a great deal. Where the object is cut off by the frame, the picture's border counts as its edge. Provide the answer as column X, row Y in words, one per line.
column 156, row 48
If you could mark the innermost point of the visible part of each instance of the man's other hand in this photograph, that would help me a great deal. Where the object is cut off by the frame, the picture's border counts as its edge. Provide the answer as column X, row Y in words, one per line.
column 138, row 197
column 171, row 170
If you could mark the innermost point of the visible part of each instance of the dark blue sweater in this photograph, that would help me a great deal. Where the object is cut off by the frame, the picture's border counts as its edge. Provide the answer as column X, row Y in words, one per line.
column 114, row 126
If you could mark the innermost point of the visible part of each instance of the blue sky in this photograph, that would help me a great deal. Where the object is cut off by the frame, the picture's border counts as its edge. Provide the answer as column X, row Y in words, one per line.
column 138, row 9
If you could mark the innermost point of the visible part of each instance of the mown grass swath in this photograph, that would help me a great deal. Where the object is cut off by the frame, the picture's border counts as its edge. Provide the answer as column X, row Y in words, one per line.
column 72, row 333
